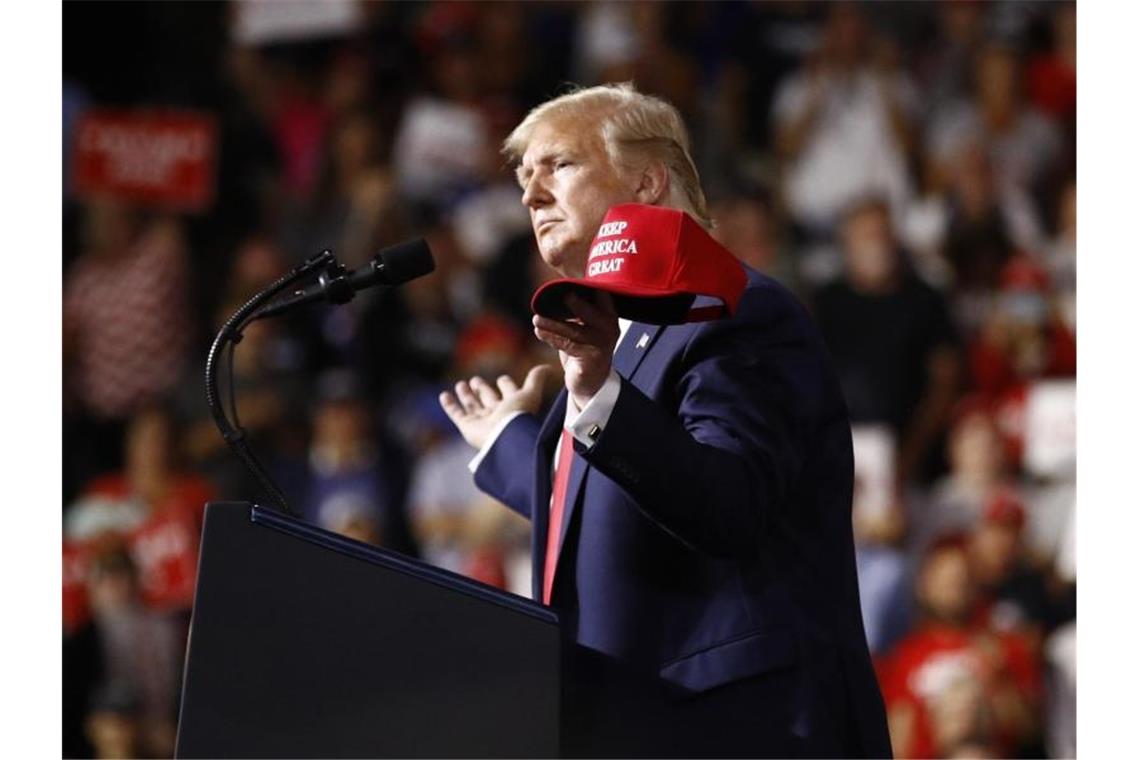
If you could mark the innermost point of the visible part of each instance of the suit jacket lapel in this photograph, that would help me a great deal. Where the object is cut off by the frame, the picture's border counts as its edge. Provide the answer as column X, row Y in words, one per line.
column 635, row 344
column 638, row 340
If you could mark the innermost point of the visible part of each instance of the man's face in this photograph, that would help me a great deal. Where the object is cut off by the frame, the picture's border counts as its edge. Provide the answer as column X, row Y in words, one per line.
column 997, row 77
column 568, row 185
column 744, row 227
column 945, row 586
column 975, row 448
column 869, row 249
column 994, row 549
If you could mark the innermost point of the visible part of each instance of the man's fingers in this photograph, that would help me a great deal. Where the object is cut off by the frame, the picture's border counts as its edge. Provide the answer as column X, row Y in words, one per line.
column 451, row 406
column 568, row 330
column 598, row 315
column 599, row 320
column 554, row 341
column 467, row 397
column 488, row 397
column 564, row 344
column 506, row 385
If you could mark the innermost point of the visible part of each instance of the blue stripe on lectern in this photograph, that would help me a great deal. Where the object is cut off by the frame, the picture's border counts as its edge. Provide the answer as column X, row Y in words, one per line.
column 282, row 522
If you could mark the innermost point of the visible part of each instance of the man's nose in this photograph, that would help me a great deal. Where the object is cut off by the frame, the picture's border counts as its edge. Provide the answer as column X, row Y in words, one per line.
column 535, row 193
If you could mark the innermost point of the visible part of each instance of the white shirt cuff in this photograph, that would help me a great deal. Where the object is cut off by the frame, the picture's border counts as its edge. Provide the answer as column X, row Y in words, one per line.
column 586, row 425
column 473, row 465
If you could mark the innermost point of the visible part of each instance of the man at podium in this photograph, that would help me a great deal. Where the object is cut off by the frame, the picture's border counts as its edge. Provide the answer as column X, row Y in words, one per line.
column 690, row 490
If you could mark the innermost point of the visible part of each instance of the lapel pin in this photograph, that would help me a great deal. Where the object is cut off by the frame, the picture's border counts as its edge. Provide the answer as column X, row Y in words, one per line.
column 643, row 341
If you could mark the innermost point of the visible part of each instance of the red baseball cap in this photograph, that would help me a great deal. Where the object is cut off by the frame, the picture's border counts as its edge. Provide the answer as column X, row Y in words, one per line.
column 1022, row 274
column 655, row 261
column 1006, row 508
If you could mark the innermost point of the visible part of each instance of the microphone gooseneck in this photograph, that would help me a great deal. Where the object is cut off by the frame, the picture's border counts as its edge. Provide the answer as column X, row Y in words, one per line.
column 335, row 284
column 230, row 335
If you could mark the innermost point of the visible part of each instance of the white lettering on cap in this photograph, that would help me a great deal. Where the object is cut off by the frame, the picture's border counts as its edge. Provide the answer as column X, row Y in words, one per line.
column 612, row 228
column 612, row 247
column 604, row 267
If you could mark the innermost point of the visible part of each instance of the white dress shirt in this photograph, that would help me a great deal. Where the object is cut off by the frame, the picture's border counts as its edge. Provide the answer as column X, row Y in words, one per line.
column 580, row 422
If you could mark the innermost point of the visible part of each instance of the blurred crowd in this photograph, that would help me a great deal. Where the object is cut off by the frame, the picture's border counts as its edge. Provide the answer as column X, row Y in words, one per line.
column 908, row 169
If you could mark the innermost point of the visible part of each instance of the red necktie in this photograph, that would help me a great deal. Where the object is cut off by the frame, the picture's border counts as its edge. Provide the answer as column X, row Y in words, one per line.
column 557, row 505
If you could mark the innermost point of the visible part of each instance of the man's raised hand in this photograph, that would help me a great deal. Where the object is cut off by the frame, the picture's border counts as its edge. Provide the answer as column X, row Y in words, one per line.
column 585, row 343
column 476, row 407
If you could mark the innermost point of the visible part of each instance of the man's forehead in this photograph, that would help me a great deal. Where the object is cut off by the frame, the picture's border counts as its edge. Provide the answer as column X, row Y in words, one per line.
column 558, row 136
column 546, row 144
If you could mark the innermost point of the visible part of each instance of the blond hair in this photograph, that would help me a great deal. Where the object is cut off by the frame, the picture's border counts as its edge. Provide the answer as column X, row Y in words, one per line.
column 633, row 126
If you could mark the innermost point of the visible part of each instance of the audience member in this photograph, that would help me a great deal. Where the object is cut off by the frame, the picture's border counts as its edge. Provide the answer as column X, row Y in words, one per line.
column 844, row 124
column 879, row 524
column 442, row 140
column 950, row 682
column 1022, row 338
column 153, row 508
column 943, row 65
column 1051, row 78
column 126, row 329
column 986, row 226
column 141, row 654
column 891, row 338
column 747, row 224
column 354, row 481
column 1012, row 595
column 459, row 527
column 978, row 472
column 299, row 120
column 354, row 207
column 1023, row 146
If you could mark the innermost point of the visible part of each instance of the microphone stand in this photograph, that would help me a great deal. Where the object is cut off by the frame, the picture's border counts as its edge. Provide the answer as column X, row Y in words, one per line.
column 229, row 336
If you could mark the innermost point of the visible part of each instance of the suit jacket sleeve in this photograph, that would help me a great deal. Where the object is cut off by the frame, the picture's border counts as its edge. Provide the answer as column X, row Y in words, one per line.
column 506, row 471
column 713, row 469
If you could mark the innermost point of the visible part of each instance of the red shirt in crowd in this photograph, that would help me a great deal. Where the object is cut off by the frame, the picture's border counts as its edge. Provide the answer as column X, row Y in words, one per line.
column 1052, row 86
column 925, row 664
column 163, row 546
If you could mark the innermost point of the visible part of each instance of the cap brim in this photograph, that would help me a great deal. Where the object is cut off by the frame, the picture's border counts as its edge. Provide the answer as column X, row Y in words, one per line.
column 638, row 304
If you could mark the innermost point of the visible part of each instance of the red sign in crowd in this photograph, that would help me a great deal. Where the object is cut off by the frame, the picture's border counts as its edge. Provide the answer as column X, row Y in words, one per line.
column 163, row 158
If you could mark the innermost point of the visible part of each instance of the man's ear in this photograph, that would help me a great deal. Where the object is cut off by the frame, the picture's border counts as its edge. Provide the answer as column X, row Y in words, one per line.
column 653, row 183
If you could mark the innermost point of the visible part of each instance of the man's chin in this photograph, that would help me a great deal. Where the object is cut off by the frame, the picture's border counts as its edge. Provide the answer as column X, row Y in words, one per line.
column 561, row 257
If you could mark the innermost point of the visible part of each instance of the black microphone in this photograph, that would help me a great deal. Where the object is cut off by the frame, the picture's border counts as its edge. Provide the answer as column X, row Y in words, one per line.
column 394, row 265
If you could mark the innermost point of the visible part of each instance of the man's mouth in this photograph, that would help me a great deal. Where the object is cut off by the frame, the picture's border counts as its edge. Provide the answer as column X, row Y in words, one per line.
column 545, row 223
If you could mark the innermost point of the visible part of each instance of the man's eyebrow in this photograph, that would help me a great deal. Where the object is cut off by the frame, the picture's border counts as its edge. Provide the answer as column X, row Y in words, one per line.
column 546, row 158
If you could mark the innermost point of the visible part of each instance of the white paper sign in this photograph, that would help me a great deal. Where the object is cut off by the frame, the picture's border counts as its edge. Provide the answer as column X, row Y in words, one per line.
column 874, row 450
column 261, row 21
column 1051, row 428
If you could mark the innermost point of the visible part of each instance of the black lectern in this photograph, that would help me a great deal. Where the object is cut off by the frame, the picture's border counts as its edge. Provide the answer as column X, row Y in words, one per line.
column 307, row 644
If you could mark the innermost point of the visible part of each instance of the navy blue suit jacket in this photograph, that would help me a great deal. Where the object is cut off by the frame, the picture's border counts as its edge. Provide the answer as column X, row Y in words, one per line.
column 707, row 532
